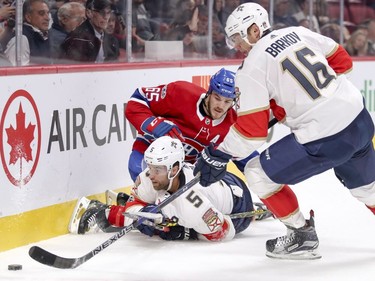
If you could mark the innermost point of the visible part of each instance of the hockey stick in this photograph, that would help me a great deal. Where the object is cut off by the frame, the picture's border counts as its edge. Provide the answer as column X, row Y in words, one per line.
column 149, row 216
column 50, row 259
column 249, row 214
column 272, row 122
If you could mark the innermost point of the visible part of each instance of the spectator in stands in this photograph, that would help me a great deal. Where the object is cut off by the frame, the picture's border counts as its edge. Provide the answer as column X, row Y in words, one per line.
column 54, row 7
column 86, row 42
column 69, row 16
column 185, row 20
column 120, row 31
column 229, row 7
column 279, row 25
column 264, row 3
column 142, row 29
column 371, row 3
column 357, row 44
column 370, row 25
column 321, row 11
column 184, row 25
column 161, row 11
column 303, row 16
column 218, row 10
column 282, row 14
column 83, row 2
column 7, row 10
column 332, row 30
column 35, row 47
column 196, row 42
column 111, row 40
column 7, row 23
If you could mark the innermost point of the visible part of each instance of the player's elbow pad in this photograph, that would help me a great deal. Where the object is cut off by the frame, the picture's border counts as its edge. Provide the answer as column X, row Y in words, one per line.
column 225, row 233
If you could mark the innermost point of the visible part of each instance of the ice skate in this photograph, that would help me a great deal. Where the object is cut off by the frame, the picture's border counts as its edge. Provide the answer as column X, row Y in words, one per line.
column 297, row 244
column 94, row 218
column 110, row 197
column 113, row 198
column 88, row 216
column 79, row 209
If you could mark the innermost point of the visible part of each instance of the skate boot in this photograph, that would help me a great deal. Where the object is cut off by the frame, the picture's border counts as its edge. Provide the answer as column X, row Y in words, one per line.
column 122, row 198
column 261, row 207
column 297, row 244
column 116, row 198
column 94, row 219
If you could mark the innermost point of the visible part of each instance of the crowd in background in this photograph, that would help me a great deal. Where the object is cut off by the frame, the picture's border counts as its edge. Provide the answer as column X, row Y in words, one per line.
column 95, row 31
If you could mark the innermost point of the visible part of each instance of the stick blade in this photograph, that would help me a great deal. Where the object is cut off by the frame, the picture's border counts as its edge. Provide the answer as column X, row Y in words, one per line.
column 47, row 258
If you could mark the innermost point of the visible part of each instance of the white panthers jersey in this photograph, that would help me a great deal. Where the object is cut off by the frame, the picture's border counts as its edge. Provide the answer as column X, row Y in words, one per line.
column 200, row 208
column 292, row 66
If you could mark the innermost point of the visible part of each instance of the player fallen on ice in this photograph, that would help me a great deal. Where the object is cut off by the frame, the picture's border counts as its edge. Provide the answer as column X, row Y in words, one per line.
column 185, row 111
column 303, row 74
column 201, row 213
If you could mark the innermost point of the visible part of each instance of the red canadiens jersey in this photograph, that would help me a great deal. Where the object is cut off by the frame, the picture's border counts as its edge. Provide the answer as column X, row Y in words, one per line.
column 178, row 102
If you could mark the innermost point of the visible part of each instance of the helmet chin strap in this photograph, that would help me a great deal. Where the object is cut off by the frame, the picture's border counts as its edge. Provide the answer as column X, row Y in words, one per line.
column 248, row 42
column 171, row 179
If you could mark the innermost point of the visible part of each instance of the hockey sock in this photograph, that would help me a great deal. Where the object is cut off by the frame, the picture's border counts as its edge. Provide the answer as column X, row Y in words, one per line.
column 372, row 209
column 282, row 203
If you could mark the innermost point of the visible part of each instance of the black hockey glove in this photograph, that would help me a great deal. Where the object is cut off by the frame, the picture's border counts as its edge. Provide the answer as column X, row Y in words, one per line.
column 122, row 198
column 178, row 232
column 212, row 164
column 147, row 229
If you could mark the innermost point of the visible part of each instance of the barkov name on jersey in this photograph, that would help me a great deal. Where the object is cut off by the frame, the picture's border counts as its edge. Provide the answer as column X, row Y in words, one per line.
column 282, row 43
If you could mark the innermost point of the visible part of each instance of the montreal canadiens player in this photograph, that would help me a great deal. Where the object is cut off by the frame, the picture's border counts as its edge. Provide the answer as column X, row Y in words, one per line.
column 303, row 73
column 202, row 212
column 185, row 111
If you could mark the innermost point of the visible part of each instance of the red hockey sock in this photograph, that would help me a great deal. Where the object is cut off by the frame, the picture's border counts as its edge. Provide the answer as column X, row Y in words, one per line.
column 372, row 209
column 282, row 203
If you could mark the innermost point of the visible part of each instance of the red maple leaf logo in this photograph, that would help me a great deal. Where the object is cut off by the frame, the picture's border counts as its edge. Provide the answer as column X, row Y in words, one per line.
column 20, row 138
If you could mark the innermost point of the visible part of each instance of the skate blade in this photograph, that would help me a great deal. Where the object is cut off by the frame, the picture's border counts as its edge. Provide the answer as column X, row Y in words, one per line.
column 303, row 255
column 110, row 197
column 79, row 209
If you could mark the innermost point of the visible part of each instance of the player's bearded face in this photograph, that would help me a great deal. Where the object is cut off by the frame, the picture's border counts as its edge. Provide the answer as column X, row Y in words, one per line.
column 217, row 105
column 158, row 176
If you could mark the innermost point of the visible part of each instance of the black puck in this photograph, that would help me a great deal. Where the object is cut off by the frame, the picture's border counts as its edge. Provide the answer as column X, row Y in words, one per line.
column 15, row 267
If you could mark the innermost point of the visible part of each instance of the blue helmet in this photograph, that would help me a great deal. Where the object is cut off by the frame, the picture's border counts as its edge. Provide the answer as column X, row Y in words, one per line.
column 222, row 82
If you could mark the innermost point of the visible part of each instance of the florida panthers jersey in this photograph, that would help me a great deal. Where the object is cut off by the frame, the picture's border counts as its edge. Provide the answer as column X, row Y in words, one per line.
column 299, row 71
column 178, row 102
column 200, row 208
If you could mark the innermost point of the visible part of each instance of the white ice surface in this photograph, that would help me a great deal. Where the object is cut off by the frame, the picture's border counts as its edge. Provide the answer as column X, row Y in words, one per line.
column 345, row 227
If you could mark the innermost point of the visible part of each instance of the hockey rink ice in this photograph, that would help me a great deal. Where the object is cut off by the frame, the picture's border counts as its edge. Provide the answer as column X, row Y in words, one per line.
column 345, row 227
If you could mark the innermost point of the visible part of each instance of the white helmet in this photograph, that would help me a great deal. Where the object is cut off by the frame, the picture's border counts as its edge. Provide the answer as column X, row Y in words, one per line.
column 165, row 151
column 243, row 17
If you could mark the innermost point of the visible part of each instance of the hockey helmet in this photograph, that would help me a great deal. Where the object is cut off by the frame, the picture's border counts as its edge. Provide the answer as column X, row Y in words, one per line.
column 165, row 151
column 222, row 82
column 242, row 18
